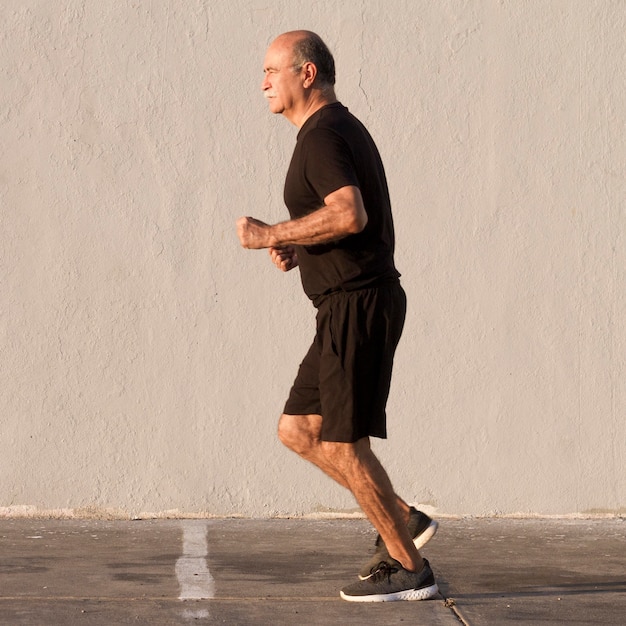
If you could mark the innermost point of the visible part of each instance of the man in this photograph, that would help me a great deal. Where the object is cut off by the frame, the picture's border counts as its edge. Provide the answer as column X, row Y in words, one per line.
column 341, row 236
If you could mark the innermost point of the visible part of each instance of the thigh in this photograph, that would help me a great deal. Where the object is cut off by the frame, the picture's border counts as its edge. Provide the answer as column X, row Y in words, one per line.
column 356, row 362
column 304, row 396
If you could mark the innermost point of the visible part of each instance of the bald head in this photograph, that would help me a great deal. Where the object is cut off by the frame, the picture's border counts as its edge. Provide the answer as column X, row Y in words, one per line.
column 308, row 47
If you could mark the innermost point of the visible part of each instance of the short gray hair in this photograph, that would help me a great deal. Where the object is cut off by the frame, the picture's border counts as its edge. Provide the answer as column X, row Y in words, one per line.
column 312, row 49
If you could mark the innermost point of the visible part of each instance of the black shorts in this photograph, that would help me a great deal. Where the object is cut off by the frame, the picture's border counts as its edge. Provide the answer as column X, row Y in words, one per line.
column 346, row 374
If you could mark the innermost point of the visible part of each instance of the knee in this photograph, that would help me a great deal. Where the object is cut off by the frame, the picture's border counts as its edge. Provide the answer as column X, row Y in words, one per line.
column 294, row 432
column 284, row 431
column 289, row 434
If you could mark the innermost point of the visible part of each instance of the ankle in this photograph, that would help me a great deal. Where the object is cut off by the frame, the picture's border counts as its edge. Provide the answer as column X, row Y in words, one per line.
column 416, row 566
column 411, row 564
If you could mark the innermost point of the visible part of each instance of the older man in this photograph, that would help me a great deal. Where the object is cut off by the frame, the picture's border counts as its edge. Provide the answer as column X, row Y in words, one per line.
column 341, row 236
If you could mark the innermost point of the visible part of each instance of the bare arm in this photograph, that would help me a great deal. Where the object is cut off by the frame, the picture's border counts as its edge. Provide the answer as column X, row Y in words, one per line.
column 343, row 214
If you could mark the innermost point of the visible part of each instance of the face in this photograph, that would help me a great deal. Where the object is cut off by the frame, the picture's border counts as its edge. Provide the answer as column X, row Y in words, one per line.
column 282, row 85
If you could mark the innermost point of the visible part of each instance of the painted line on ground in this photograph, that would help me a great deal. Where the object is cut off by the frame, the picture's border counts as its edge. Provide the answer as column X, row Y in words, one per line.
column 192, row 571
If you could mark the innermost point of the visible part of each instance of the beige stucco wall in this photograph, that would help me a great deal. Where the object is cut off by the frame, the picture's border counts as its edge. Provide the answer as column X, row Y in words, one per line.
column 145, row 357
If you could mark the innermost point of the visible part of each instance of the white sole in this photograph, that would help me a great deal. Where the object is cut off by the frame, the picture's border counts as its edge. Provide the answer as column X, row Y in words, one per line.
column 423, row 538
column 410, row 594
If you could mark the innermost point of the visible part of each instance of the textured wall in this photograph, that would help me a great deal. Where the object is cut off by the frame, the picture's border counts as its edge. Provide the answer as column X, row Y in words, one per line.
column 145, row 357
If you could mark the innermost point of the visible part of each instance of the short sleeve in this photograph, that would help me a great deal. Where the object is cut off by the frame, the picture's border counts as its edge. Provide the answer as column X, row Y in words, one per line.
column 329, row 165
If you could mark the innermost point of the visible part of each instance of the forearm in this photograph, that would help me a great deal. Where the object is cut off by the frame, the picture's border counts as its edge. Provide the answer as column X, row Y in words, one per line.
column 343, row 214
column 329, row 223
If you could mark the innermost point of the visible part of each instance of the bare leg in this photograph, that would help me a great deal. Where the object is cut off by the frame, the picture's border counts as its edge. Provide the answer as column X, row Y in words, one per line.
column 370, row 485
column 355, row 467
column 301, row 433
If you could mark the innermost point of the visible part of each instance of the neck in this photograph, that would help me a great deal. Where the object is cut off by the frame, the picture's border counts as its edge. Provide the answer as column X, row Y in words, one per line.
column 314, row 103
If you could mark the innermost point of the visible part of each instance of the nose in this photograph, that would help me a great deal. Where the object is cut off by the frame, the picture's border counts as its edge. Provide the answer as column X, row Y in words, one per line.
column 265, row 85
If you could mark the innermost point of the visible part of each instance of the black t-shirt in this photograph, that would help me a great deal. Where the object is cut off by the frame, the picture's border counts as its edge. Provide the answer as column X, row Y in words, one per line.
column 334, row 150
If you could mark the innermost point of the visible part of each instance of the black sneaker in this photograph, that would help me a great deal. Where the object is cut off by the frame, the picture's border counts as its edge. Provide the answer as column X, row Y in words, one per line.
column 421, row 528
column 391, row 582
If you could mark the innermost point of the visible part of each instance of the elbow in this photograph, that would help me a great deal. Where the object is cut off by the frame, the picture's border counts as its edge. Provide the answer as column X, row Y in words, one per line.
column 358, row 222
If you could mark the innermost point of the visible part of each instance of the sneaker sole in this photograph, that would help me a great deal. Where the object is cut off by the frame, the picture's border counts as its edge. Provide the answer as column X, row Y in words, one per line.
column 420, row 541
column 424, row 537
column 425, row 593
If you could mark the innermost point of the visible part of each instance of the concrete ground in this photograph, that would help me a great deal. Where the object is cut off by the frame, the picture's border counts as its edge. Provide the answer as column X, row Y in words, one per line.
column 490, row 571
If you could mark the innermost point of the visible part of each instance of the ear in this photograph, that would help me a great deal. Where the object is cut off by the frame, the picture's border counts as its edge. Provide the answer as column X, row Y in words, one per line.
column 310, row 73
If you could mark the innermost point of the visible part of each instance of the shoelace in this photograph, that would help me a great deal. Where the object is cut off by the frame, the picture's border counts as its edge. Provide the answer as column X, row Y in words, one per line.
column 381, row 570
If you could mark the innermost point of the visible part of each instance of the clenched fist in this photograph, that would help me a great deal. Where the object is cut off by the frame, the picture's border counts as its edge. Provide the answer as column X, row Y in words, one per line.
column 253, row 234
column 284, row 257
